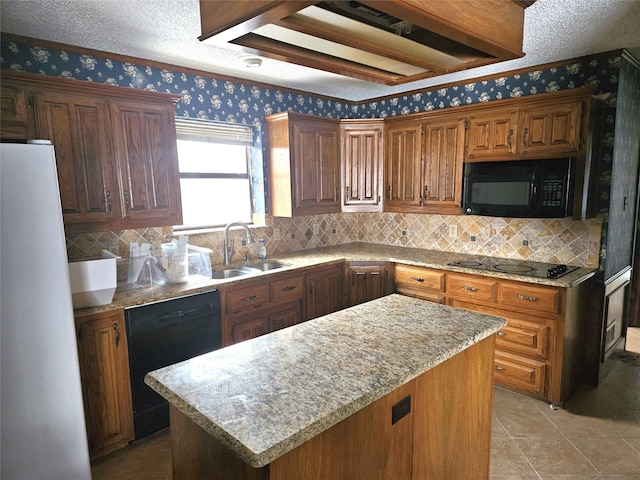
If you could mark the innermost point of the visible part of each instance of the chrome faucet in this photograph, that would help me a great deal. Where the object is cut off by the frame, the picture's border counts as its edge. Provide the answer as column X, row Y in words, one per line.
column 228, row 248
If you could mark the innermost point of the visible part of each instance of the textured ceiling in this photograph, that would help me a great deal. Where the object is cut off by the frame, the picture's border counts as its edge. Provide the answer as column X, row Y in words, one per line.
column 167, row 31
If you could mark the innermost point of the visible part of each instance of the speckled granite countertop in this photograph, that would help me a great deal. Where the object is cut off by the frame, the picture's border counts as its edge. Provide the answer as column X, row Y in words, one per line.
column 266, row 396
column 357, row 251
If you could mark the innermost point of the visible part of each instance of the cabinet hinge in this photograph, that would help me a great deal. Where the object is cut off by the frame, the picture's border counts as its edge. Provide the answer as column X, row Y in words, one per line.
column 31, row 101
column 421, row 129
column 466, row 124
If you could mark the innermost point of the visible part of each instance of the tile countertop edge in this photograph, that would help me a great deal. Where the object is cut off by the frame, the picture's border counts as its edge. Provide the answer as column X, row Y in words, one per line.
column 190, row 385
column 355, row 251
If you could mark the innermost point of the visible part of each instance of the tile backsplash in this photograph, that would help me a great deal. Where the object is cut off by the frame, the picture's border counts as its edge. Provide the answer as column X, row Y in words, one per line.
column 544, row 240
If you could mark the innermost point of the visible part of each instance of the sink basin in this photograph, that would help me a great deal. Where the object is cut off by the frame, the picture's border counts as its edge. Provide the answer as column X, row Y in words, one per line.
column 268, row 266
column 233, row 272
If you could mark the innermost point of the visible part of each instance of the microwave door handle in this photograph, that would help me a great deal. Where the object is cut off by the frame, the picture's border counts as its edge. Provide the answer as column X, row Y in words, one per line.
column 534, row 193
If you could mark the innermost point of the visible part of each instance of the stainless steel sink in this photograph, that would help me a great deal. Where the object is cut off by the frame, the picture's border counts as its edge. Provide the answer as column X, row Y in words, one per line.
column 246, row 270
column 265, row 266
column 233, row 272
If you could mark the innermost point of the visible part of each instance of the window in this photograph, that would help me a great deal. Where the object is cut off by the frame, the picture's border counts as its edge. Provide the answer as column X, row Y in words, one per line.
column 215, row 184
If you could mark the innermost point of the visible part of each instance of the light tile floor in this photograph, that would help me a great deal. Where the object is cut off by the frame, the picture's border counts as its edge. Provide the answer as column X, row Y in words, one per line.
column 596, row 436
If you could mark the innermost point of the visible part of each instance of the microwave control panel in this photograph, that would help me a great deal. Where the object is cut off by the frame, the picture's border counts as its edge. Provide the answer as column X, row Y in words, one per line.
column 553, row 192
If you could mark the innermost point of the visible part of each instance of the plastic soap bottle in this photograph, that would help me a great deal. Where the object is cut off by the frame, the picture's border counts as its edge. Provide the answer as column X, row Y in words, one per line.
column 262, row 251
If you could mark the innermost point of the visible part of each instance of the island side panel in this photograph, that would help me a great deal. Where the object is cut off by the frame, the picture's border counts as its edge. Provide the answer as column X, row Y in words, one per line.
column 196, row 455
column 452, row 419
column 363, row 446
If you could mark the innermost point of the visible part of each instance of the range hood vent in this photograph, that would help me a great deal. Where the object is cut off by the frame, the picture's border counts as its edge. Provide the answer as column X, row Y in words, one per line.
column 390, row 42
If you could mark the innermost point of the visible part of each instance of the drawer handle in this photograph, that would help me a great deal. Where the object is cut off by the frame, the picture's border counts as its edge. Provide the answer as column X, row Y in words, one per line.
column 527, row 297
column 288, row 288
column 248, row 299
column 500, row 369
column 468, row 289
column 417, row 279
column 501, row 334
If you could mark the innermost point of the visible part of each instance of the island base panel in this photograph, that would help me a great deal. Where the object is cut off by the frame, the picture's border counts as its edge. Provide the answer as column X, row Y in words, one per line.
column 446, row 435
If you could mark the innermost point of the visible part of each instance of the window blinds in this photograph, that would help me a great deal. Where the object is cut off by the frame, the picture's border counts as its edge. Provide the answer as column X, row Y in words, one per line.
column 219, row 132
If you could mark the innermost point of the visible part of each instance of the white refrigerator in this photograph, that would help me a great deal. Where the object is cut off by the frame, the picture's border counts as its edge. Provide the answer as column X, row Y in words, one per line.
column 42, row 425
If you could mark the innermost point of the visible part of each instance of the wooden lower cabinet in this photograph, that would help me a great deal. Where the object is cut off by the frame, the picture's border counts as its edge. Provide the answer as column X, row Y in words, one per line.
column 262, row 306
column 542, row 350
column 247, row 328
column 367, row 281
column 426, row 444
column 419, row 282
column 324, row 290
column 106, row 388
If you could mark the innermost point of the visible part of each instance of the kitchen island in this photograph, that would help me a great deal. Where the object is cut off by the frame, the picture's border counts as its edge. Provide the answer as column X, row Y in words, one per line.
column 394, row 388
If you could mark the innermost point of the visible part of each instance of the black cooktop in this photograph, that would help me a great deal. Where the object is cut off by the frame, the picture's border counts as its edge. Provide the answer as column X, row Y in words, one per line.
column 516, row 267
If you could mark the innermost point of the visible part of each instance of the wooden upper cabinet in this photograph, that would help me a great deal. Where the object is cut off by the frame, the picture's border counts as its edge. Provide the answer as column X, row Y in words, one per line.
column 304, row 164
column 403, row 166
column 79, row 127
column 491, row 134
column 148, row 162
column 362, row 154
column 15, row 123
column 444, row 156
column 551, row 128
column 541, row 126
column 423, row 168
column 115, row 148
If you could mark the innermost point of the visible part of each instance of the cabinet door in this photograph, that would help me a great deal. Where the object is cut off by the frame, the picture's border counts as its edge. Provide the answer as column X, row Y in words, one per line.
column 492, row 134
column 317, row 168
column 104, row 369
column 444, row 155
column 367, row 282
column 14, row 118
column 403, row 167
column 325, row 291
column 248, row 327
column 551, row 129
column 79, row 129
column 285, row 316
column 148, row 163
column 362, row 169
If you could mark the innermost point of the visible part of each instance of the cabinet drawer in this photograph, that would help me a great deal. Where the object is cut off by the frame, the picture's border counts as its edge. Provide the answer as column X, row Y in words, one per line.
column 519, row 372
column 530, row 298
column 472, row 287
column 523, row 337
column 417, row 277
column 246, row 299
column 287, row 288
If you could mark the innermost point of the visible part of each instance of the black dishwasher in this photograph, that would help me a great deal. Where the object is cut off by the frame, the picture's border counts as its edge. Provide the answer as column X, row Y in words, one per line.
column 161, row 334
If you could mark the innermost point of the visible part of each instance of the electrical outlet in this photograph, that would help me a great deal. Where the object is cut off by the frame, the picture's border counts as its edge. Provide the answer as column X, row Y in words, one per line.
column 276, row 234
column 453, row 231
column 316, row 229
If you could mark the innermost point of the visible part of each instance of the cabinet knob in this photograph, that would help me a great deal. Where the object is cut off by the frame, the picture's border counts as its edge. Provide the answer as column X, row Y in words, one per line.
column 417, row 279
column 524, row 136
column 501, row 334
column 510, row 138
column 500, row 369
column 468, row 288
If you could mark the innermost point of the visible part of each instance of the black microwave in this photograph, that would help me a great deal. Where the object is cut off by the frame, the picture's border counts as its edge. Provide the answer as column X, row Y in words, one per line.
column 520, row 188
